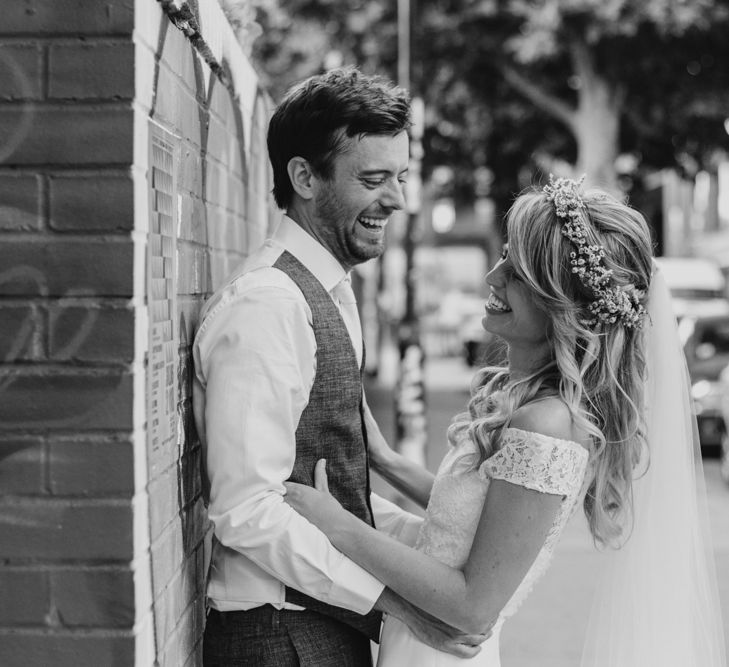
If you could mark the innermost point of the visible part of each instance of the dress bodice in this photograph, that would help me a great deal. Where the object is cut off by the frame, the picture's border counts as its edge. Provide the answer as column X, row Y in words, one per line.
column 532, row 460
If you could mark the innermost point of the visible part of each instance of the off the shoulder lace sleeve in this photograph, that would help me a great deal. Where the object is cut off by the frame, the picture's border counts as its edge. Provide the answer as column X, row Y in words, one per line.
column 538, row 462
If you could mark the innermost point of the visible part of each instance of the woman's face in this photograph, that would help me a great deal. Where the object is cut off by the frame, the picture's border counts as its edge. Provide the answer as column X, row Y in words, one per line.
column 511, row 310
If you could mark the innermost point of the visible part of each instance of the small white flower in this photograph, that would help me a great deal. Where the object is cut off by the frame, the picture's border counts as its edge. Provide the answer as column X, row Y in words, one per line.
column 565, row 194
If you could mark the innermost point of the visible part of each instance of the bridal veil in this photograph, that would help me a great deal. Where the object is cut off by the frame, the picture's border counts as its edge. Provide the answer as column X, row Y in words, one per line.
column 657, row 603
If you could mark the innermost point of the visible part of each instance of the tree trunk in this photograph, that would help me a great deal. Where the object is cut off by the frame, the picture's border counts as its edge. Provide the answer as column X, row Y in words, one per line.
column 596, row 123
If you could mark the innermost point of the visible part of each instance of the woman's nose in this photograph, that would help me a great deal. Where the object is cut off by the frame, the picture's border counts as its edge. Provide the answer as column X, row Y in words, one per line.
column 495, row 277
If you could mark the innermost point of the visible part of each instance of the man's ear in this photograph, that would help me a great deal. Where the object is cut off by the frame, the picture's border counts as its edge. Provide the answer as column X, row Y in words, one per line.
column 301, row 177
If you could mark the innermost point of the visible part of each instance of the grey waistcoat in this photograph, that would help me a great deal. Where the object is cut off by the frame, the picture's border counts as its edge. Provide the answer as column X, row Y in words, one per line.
column 332, row 426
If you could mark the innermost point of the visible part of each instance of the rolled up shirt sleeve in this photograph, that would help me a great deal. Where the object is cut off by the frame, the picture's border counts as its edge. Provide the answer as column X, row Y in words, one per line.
column 257, row 381
column 395, row 521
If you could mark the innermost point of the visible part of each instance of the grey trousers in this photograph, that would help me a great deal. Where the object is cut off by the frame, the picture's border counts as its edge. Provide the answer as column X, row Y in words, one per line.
column 268, row 637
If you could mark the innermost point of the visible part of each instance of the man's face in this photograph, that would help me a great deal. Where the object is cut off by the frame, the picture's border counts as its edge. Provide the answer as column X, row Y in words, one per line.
column 352, row 208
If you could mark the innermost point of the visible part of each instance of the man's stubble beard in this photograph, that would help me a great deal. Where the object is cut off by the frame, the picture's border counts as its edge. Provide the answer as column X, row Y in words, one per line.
column 332, row 214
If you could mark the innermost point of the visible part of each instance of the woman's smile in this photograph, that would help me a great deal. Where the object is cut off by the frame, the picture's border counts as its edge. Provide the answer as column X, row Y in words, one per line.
column 496, row 305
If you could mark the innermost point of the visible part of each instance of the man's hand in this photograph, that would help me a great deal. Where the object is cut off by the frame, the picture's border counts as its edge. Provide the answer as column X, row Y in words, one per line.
column 430, row 630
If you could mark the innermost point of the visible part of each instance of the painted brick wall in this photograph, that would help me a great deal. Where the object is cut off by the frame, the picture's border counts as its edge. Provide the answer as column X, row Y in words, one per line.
column 133, row 178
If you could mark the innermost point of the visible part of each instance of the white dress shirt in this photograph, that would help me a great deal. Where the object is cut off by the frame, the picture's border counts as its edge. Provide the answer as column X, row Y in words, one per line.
column 255, row 361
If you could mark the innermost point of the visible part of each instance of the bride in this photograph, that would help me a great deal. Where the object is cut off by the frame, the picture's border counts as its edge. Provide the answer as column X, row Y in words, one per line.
column 591, row 410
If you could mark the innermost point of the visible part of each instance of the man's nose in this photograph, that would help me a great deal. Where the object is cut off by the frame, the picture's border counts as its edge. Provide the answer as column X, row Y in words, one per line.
column 394, row 196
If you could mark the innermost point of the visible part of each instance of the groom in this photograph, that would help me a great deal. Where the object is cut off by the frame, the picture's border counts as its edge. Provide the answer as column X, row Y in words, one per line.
column 278, row 364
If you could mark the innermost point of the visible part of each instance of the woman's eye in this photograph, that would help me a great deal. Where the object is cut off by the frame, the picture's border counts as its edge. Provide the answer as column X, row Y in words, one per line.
column 504, row 250
column 510, row 274
column 513, row 275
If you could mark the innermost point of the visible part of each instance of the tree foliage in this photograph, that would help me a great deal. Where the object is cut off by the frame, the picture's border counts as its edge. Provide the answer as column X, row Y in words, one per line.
column 617, row 88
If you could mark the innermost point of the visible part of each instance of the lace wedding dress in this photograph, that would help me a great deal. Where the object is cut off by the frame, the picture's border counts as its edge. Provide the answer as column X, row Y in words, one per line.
column 528, row 459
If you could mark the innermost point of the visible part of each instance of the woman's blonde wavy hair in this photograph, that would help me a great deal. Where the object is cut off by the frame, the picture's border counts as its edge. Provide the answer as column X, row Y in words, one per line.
column 598, row 372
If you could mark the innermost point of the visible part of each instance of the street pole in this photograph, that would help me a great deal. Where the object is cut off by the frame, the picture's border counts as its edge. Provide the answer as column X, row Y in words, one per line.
column 410, row 418
column 403, row 43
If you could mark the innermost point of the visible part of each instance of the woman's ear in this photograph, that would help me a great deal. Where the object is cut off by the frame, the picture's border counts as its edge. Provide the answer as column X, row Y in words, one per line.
column 301, row 177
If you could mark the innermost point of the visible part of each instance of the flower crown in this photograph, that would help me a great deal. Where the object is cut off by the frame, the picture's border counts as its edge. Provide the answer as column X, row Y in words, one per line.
column 611, row 303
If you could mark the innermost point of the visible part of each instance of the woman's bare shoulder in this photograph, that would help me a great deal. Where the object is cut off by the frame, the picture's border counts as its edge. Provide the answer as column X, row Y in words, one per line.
column 551, row 417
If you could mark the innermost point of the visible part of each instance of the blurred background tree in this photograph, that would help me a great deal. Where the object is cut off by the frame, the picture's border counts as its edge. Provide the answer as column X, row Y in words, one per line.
column 617, row 89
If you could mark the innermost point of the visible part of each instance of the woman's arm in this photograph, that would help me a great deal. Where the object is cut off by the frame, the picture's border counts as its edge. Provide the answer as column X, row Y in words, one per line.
column 513, row 526
column 409, row 478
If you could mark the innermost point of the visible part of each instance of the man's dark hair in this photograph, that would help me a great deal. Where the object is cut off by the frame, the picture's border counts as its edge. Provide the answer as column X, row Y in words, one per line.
column 315, row 116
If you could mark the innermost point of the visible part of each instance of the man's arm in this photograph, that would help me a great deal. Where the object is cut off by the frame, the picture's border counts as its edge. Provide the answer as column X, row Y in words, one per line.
column 429, row 629
column 250, row 355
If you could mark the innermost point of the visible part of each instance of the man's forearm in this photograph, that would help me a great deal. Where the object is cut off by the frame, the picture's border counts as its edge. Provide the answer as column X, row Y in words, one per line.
column 269, row 533
column 428, row 629
column 392, row 604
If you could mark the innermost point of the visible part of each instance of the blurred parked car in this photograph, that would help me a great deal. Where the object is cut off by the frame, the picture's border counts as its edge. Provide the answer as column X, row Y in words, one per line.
column 698, row 287
column 706, row 345
column 724, row 452
column 724, row 455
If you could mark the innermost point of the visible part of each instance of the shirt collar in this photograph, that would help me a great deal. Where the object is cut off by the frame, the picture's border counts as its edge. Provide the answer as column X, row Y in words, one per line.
column 314, row 256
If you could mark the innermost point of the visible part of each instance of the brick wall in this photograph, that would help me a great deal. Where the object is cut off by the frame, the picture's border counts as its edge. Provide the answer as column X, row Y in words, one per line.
column 133, row 177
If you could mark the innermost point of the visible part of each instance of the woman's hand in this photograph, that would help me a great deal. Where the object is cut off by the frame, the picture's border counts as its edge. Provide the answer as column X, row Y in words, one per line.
column 316, row 504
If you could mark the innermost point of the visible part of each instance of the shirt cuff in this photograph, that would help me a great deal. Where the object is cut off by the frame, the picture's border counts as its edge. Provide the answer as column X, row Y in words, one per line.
column 394, row 521
column 358, row 591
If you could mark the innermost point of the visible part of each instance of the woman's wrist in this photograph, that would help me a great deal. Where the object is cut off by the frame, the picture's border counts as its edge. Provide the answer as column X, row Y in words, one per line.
column 342, row 530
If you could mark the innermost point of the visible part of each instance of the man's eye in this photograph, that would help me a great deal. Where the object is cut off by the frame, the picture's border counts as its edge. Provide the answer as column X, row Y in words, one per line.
column 374, row 182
